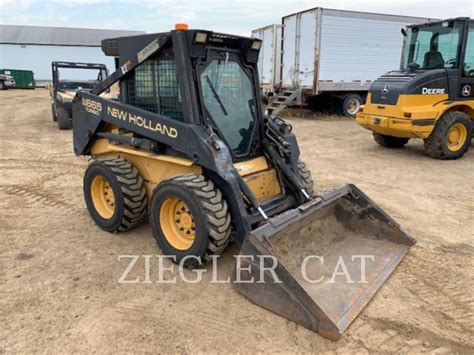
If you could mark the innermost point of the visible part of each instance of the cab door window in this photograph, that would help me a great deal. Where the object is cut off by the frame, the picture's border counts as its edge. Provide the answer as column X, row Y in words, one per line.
column 468, row 66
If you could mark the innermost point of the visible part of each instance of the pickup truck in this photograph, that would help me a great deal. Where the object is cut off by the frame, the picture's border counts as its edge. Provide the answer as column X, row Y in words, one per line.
column 6, row 81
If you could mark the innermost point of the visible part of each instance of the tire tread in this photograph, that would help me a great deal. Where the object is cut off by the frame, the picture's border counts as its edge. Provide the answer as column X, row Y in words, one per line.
column 133, row 191
column 435, row 143
column 215, row 211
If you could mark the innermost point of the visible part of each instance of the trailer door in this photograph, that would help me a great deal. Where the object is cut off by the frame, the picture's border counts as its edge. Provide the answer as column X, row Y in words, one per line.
column 289, row 51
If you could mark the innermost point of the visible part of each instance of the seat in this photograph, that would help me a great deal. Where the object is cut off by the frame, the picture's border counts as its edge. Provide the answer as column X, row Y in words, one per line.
column 433, row 60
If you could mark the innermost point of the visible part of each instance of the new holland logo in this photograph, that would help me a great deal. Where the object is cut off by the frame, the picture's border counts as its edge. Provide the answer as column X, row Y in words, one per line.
column 385, row 90
column 140, row 121
column 466, row 90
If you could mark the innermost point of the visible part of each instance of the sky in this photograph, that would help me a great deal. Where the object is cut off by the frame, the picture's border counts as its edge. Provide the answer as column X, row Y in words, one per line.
column 229, row 16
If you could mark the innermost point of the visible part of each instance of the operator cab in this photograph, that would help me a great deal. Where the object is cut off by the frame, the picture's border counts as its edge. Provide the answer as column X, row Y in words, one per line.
column 433, row 45
column 434, row 54
column 222, row 77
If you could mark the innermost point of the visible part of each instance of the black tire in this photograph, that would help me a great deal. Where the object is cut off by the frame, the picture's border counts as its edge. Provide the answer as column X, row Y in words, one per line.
column 390, row 141
column 2, row 86
column 63, row 119
column 129, row 192
column 306, row 176
column 53, row 113
column 209, row 212
column 436, row 145
column 351, row 104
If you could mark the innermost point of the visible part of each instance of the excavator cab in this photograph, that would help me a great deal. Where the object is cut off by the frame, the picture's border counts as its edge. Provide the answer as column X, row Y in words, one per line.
column 187, row 148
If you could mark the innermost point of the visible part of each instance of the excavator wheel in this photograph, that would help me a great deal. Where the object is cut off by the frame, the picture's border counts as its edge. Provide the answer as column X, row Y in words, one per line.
column 189, row 218
column 390, row 141
column 115, row 194
column 306, row 176
column 451, row 136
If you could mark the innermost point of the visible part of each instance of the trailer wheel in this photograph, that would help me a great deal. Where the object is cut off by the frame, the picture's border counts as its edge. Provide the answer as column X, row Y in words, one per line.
column 451, row 136
column 351, row 104
column 390, row 141
column 63, row 120
column 189, row 217
column 115, row 194
column 306, row 176
column 53, row 113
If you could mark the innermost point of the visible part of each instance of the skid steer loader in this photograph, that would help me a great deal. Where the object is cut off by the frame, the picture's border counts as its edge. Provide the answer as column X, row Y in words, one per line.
column 62, row 91
column 431, row 96
column 187, row 146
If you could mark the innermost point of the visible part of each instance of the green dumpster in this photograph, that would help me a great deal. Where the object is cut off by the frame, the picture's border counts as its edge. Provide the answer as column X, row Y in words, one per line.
column 23, row 78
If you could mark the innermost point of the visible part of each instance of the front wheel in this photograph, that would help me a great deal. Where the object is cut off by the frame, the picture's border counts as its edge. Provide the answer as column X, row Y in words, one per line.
column 189, row 218
column 306, row 176
column 451, row 136
column 390, row 141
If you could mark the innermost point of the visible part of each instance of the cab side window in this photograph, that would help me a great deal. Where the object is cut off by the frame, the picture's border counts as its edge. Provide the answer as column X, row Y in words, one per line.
column 468, row 66
column 154, row 87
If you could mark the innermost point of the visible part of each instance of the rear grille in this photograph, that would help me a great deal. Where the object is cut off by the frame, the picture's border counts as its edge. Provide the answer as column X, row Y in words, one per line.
column 110, row 47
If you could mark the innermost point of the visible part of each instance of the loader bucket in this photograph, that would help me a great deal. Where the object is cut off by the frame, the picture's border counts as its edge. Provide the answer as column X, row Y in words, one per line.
column 291, row 265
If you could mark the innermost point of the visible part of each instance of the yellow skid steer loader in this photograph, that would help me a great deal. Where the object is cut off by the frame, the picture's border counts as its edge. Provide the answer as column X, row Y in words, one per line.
column 187, row 146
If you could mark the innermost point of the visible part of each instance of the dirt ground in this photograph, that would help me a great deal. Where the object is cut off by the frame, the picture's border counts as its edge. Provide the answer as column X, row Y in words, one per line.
column 59, row 272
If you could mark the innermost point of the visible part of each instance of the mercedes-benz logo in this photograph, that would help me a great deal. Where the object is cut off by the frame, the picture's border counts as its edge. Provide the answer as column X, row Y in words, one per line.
column 385, row 90
column 466, row 90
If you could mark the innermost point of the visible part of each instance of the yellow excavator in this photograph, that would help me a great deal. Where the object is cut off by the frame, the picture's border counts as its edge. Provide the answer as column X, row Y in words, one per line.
column 187, row 147
column 432, row 95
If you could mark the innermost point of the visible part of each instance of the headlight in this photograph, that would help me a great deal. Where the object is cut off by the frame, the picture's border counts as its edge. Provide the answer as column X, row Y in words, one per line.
column 201, row 37
column 256, row 45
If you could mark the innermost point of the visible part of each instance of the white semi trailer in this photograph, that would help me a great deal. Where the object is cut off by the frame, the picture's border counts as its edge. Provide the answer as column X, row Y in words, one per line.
column 330, row 56
column 269, row 58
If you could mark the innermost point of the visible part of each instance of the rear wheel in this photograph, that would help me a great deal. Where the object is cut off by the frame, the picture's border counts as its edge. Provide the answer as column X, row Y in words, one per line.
column 306, row 176
column 351, row 104
column 63, row 119
column 53, row 113
column 115, row 194
column 2, row 86
column 390, row 141
column 451, row 136
column 189, row 217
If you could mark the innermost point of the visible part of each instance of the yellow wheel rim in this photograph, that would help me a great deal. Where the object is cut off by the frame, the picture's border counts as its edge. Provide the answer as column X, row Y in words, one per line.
column 177, row 223
column 457, row 136
column 103, row 197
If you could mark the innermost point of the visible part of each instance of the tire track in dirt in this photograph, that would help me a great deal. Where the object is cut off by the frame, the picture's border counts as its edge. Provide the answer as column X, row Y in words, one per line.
column 442, row 285
column 34, row 196
column 214, row 323
column 439, row 281
column 14, row 163
column 381, row 335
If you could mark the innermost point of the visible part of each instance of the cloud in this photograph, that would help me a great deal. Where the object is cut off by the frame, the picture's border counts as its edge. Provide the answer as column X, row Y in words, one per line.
column 232, row 16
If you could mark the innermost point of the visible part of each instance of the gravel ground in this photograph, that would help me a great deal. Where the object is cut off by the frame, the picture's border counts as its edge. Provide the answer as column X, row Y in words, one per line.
column 59, row 274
